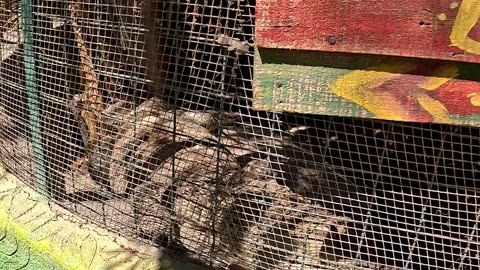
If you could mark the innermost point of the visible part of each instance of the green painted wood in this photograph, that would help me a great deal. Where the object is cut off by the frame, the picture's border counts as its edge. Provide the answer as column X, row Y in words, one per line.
column 383, row 87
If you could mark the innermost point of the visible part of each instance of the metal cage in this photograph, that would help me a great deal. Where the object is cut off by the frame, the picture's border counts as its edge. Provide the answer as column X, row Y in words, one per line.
column 137, row 115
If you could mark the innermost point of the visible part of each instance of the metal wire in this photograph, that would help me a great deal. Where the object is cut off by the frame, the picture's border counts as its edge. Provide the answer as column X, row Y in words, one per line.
column 147, row 130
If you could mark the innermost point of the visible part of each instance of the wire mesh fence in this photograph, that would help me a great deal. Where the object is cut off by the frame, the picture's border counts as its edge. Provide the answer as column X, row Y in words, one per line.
column 136, row 114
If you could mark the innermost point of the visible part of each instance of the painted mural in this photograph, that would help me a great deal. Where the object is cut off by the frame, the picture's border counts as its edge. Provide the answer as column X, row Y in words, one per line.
column 395, row 94
column 429, row 29
column 398, row 88
column 467, row 19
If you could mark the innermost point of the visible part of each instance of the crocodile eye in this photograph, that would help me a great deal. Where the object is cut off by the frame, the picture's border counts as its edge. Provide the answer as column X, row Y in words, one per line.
column 474, row 99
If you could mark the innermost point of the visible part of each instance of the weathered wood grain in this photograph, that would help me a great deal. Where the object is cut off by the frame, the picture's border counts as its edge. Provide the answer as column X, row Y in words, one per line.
column 390, row 88
column 432, row 29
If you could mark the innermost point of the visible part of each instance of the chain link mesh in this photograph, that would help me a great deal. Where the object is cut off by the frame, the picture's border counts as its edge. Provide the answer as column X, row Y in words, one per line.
column 136, row 114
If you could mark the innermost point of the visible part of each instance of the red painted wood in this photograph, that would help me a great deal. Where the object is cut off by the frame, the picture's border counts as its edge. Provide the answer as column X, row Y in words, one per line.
column 411, row 28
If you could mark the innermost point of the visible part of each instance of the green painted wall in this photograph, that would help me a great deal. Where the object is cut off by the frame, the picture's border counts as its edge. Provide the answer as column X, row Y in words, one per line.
column 36, row 235
column 15, row 253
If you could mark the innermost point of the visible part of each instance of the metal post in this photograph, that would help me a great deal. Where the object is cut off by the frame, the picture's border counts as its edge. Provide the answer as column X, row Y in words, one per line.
column 33, row 96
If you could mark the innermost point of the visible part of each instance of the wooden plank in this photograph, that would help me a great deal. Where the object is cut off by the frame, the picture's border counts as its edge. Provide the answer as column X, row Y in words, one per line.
column 432, row 29
column 390, row 88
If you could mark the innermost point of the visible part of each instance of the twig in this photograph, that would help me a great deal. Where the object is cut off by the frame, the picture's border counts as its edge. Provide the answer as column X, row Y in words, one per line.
column 92, row 97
